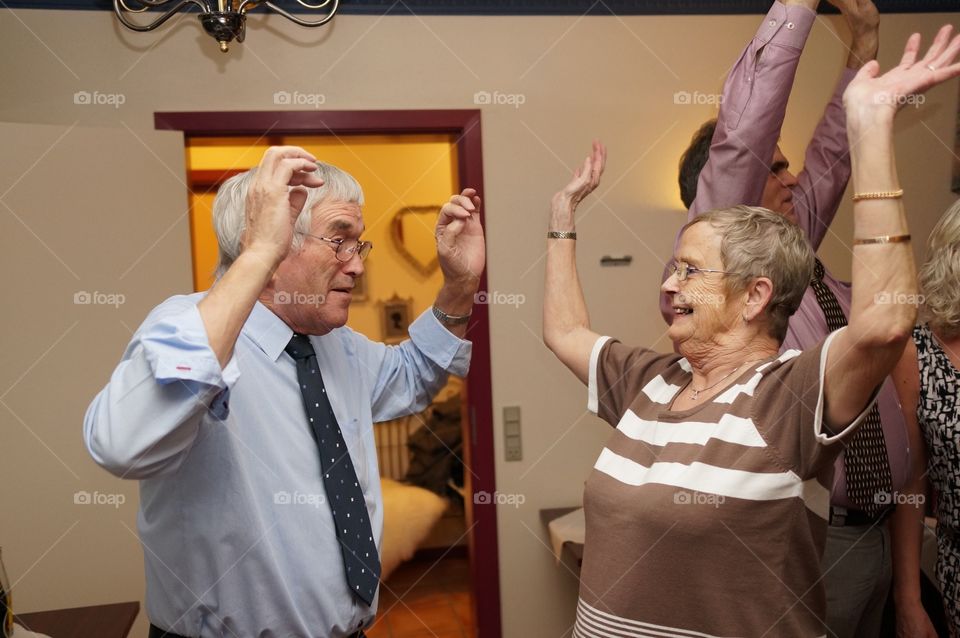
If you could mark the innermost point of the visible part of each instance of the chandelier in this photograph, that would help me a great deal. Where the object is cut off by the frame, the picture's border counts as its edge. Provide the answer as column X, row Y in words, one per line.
column 224, row 21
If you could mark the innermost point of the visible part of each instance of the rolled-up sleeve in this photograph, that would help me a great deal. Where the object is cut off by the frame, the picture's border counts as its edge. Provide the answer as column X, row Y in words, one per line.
column 145, row 420
column 410, row 374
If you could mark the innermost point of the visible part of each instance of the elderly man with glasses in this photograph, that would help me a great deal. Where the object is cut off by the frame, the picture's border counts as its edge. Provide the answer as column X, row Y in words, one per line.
column 246, row 411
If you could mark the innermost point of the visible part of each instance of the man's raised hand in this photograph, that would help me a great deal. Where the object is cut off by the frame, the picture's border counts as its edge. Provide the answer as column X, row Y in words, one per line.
column 275, row 198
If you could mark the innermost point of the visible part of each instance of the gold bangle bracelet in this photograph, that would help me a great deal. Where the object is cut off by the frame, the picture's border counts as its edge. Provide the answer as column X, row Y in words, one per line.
column 897, row 194
column 882, row 239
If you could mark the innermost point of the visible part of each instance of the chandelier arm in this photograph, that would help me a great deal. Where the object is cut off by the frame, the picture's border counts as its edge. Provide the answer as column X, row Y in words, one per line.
column 156, row 23
column 301, row 22
column 243, row 5
column 314, row 6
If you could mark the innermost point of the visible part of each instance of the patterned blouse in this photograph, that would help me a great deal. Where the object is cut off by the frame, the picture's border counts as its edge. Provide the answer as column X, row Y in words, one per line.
column 939, row 420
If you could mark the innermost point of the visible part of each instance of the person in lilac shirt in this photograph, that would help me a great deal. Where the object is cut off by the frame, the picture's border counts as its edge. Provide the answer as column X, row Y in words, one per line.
column 736, row 159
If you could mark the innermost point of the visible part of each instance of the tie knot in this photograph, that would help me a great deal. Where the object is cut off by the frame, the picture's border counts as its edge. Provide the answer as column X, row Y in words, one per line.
column 818, row 270
column 300, row 347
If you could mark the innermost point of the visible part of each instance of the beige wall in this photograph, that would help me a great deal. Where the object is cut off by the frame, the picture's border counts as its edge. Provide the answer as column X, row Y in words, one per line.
column 600, row 77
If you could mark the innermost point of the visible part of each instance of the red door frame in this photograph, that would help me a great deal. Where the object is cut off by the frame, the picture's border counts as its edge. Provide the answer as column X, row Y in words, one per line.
column 465, row 125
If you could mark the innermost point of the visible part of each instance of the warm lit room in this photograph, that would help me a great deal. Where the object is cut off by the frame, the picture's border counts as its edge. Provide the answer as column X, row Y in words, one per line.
column 165, row 467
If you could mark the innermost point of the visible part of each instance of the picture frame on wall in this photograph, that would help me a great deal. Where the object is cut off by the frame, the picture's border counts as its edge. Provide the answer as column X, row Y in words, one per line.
column 395, row 317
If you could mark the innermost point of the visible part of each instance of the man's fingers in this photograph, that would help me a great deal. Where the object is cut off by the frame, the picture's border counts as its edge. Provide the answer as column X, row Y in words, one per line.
column 298, row 197
column 448, row 234
column 460, row 201
column 949, row 54
column 910, row 50
column 939, row 44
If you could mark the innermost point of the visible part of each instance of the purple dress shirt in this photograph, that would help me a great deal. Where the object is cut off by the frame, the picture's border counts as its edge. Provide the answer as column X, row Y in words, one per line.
column 748, row 127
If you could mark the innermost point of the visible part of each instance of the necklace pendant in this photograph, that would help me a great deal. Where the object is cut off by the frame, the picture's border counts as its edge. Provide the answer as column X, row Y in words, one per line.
column 696, row 393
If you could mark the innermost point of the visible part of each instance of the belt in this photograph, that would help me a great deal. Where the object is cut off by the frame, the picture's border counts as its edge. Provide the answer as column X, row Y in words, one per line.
column 156, row 632
column 843, row 517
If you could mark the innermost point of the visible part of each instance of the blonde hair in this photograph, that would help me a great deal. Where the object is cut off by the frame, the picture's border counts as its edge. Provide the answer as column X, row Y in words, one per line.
column 939, row 277
column 756, row 242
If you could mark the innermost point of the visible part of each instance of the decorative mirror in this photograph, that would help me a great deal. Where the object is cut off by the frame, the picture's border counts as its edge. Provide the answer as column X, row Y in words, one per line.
column 412, row 231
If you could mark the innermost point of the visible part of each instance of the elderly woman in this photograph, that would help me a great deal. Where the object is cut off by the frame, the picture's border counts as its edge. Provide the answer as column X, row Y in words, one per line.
column 928, row 376
column 706, row 511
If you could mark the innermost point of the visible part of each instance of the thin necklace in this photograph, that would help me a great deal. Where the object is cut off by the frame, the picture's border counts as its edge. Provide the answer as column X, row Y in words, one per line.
column 695, row 393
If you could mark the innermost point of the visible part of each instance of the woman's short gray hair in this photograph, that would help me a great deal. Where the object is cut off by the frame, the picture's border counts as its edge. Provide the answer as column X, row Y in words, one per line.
column 756, row 242
column 940, row 276
column 229, row 218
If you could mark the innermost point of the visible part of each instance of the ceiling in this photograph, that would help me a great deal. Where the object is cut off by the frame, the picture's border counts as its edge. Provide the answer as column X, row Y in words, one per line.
column 535, row 7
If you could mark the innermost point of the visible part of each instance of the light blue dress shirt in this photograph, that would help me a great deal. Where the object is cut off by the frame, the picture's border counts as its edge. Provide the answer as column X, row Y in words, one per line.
column 238, row 537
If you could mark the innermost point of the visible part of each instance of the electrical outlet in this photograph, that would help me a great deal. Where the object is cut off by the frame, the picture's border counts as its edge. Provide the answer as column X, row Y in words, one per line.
column 512, row 443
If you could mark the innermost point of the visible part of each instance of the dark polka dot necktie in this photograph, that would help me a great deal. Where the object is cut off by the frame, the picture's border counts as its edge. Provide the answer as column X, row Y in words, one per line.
column 865, row 459
column 344, row 495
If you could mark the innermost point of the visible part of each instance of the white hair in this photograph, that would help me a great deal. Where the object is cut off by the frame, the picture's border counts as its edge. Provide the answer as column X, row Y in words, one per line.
column 229, row 206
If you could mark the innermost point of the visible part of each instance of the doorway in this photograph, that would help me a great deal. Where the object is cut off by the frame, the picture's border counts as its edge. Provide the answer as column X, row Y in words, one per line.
column 400, row 158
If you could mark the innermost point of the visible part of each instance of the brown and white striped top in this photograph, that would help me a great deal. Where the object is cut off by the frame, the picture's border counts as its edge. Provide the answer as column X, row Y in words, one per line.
column 709, row 521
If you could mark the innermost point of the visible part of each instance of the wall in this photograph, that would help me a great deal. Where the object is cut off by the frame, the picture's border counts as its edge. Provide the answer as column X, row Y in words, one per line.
column 577, row 79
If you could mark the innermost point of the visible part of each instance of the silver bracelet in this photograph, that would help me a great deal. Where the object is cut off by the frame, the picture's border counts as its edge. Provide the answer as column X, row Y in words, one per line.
column 562, row 234
column 450, row 320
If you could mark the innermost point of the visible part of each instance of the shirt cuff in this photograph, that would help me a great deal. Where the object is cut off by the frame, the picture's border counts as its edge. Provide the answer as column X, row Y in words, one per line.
column 786, row 25
column 593, row 400
column 823, row 434
column 177, row 349
column 845, row 78
column 441, row 346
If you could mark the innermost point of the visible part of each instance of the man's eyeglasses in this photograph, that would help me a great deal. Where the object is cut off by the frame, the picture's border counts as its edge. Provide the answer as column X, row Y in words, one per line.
column 683, row 270
column 345, row 248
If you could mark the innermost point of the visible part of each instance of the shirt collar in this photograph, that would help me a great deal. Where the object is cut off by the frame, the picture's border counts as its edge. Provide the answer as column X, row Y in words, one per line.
column 267, row 330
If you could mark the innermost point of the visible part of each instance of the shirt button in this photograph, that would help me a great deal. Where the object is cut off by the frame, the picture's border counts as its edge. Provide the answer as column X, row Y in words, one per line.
column 773, row 23
column 790, row 25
